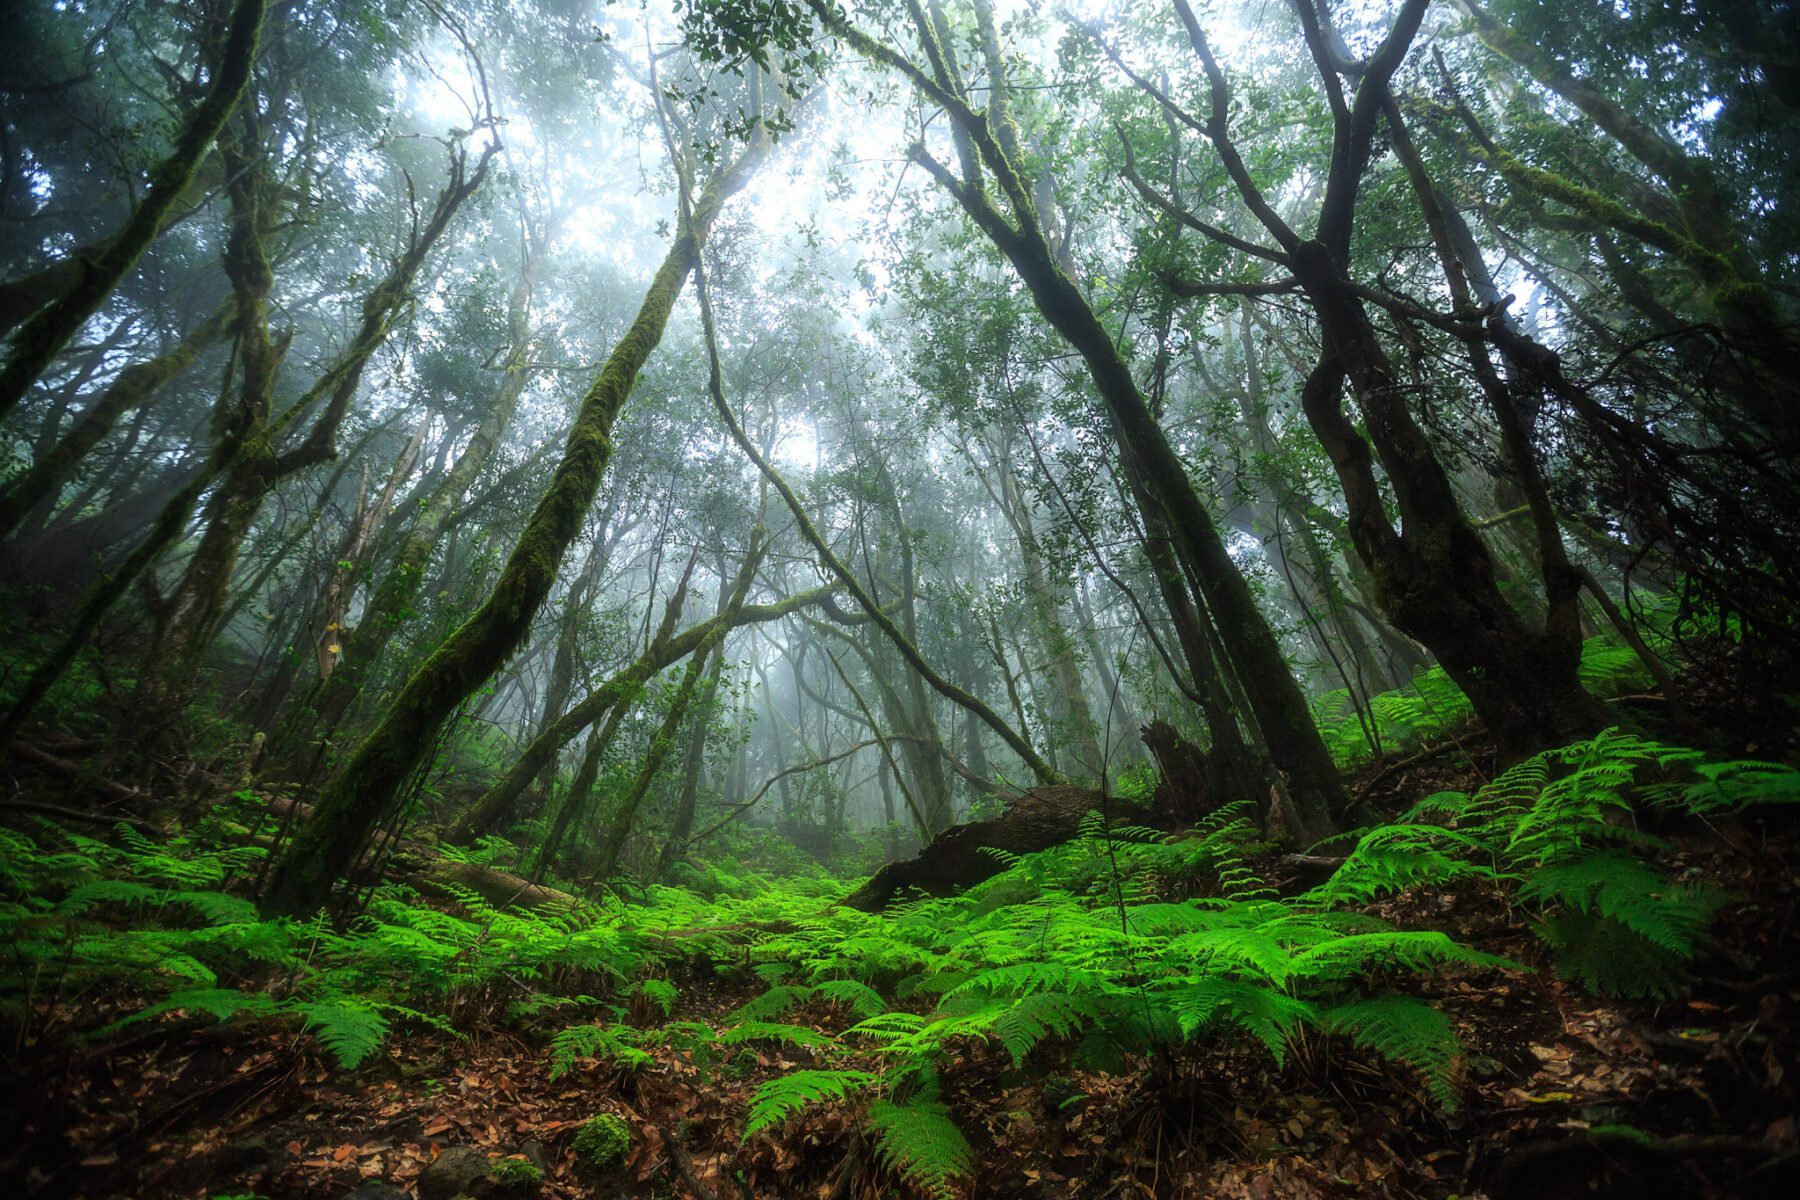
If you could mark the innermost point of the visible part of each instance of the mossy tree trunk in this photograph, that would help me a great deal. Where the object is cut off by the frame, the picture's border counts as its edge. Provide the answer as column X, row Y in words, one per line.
column 391, row 606
column 41, row 338
column 194, row 610
column 1433, row 575
column 364, row 790
column 1276, row 701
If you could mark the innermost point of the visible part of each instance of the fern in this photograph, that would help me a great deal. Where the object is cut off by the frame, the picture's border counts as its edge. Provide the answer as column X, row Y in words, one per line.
column 221, row 1004
column 1207, row 1004
column 1624, row 888
column 1023, row 1025
column 859, row 997
column 767, row 1031
column 595, row 1041
column 772, row 1003
column 1406, row 1030
column 1559, row 825
column 659, row 992
column 921, row 1142
column 1610, row 960
column 779, row 1099
column 350, row 1028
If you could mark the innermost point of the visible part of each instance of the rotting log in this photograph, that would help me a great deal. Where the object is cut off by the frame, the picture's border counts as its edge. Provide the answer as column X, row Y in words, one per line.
column 1191, row 787
column 502, row 889
column 959, row 857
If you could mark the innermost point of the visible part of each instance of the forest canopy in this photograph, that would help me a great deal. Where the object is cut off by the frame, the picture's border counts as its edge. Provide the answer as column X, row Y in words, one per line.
column 1062, row 592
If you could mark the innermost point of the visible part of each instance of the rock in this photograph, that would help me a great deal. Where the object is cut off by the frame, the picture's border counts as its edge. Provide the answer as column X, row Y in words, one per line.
column 375, row 1189
column 468, row 1171
column 453, row 1173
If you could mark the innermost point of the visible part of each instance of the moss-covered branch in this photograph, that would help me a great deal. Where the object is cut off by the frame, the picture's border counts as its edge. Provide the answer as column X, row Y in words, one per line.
column 42, row 338
column 133, row 386
column 367, row 786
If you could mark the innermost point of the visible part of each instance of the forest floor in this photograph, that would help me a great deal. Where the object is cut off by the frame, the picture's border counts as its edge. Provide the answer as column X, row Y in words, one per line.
column 1566, row 1095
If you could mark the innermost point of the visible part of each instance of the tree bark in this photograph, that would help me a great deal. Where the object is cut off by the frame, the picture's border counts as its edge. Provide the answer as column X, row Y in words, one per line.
column 356, row 800
column 41, row 338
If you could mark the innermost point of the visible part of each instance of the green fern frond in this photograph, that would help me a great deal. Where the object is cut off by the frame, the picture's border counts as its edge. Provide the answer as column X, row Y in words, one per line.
column 779, row 1099
column 595, row 1041
column 1406, row 1030
column 218, row 908
column 770, row 1031
column 772, row 1003
column 1212, row 1003
column 1624, row 888
column 659, row 992
column 221, row 1004
column 859, row 997
column 1021, row 1026
column 1416, row 950
column 919, row 1141
column 109, row 891
column 1610, row 960
column 345, row 1025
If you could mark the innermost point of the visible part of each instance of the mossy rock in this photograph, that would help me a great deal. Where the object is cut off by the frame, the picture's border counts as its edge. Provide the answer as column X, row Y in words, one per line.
column 601, row 1146
column 469, row 1171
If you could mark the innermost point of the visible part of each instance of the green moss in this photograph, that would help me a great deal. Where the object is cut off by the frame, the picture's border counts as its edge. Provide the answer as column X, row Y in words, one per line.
column 515, row 1170
column 601, row 1144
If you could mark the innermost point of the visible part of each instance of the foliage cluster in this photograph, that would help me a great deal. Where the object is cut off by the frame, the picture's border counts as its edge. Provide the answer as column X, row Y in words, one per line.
column 1433, row 706
column 1122, row 945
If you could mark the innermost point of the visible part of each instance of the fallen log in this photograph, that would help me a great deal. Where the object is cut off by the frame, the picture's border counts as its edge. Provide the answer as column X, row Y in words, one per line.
column 74, row 771
column 502, row 889
column 959, row 857
column 1190, row 787
column 420, row 865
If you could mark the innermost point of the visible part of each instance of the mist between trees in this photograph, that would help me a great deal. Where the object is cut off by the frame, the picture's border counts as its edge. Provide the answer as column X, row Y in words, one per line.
column 600, row 435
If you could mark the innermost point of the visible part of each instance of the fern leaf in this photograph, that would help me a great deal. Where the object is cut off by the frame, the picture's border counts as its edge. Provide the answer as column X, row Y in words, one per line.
column 769, row 1031
column 919, row 1141
column 349, row 1028
column 1034, row 1018
column 659, row 992
column 859, row 997
column 1406, row 1030
column 779, row 1099
column 772, row 1003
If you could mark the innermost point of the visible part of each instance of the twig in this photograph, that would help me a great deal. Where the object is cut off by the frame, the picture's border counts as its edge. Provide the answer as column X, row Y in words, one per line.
column 73, row 770
column 73, row 814
column 684, row 1166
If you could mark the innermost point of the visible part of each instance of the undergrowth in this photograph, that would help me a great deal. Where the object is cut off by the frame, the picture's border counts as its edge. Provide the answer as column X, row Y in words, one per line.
column 1433, row 707
column 1122, row 946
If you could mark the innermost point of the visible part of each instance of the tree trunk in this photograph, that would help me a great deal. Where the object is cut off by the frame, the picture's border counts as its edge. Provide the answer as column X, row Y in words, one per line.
column 360, row 795
column 42, row 337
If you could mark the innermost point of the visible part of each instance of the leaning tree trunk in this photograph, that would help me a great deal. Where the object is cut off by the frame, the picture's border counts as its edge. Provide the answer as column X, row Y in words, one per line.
column 394, row 596
column 40, row 339
column 1277, row 703
column 612, row 842
column 497, row 802
column 196, row 608
column 681, row 826
column 366, row 787
column 133, row 386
